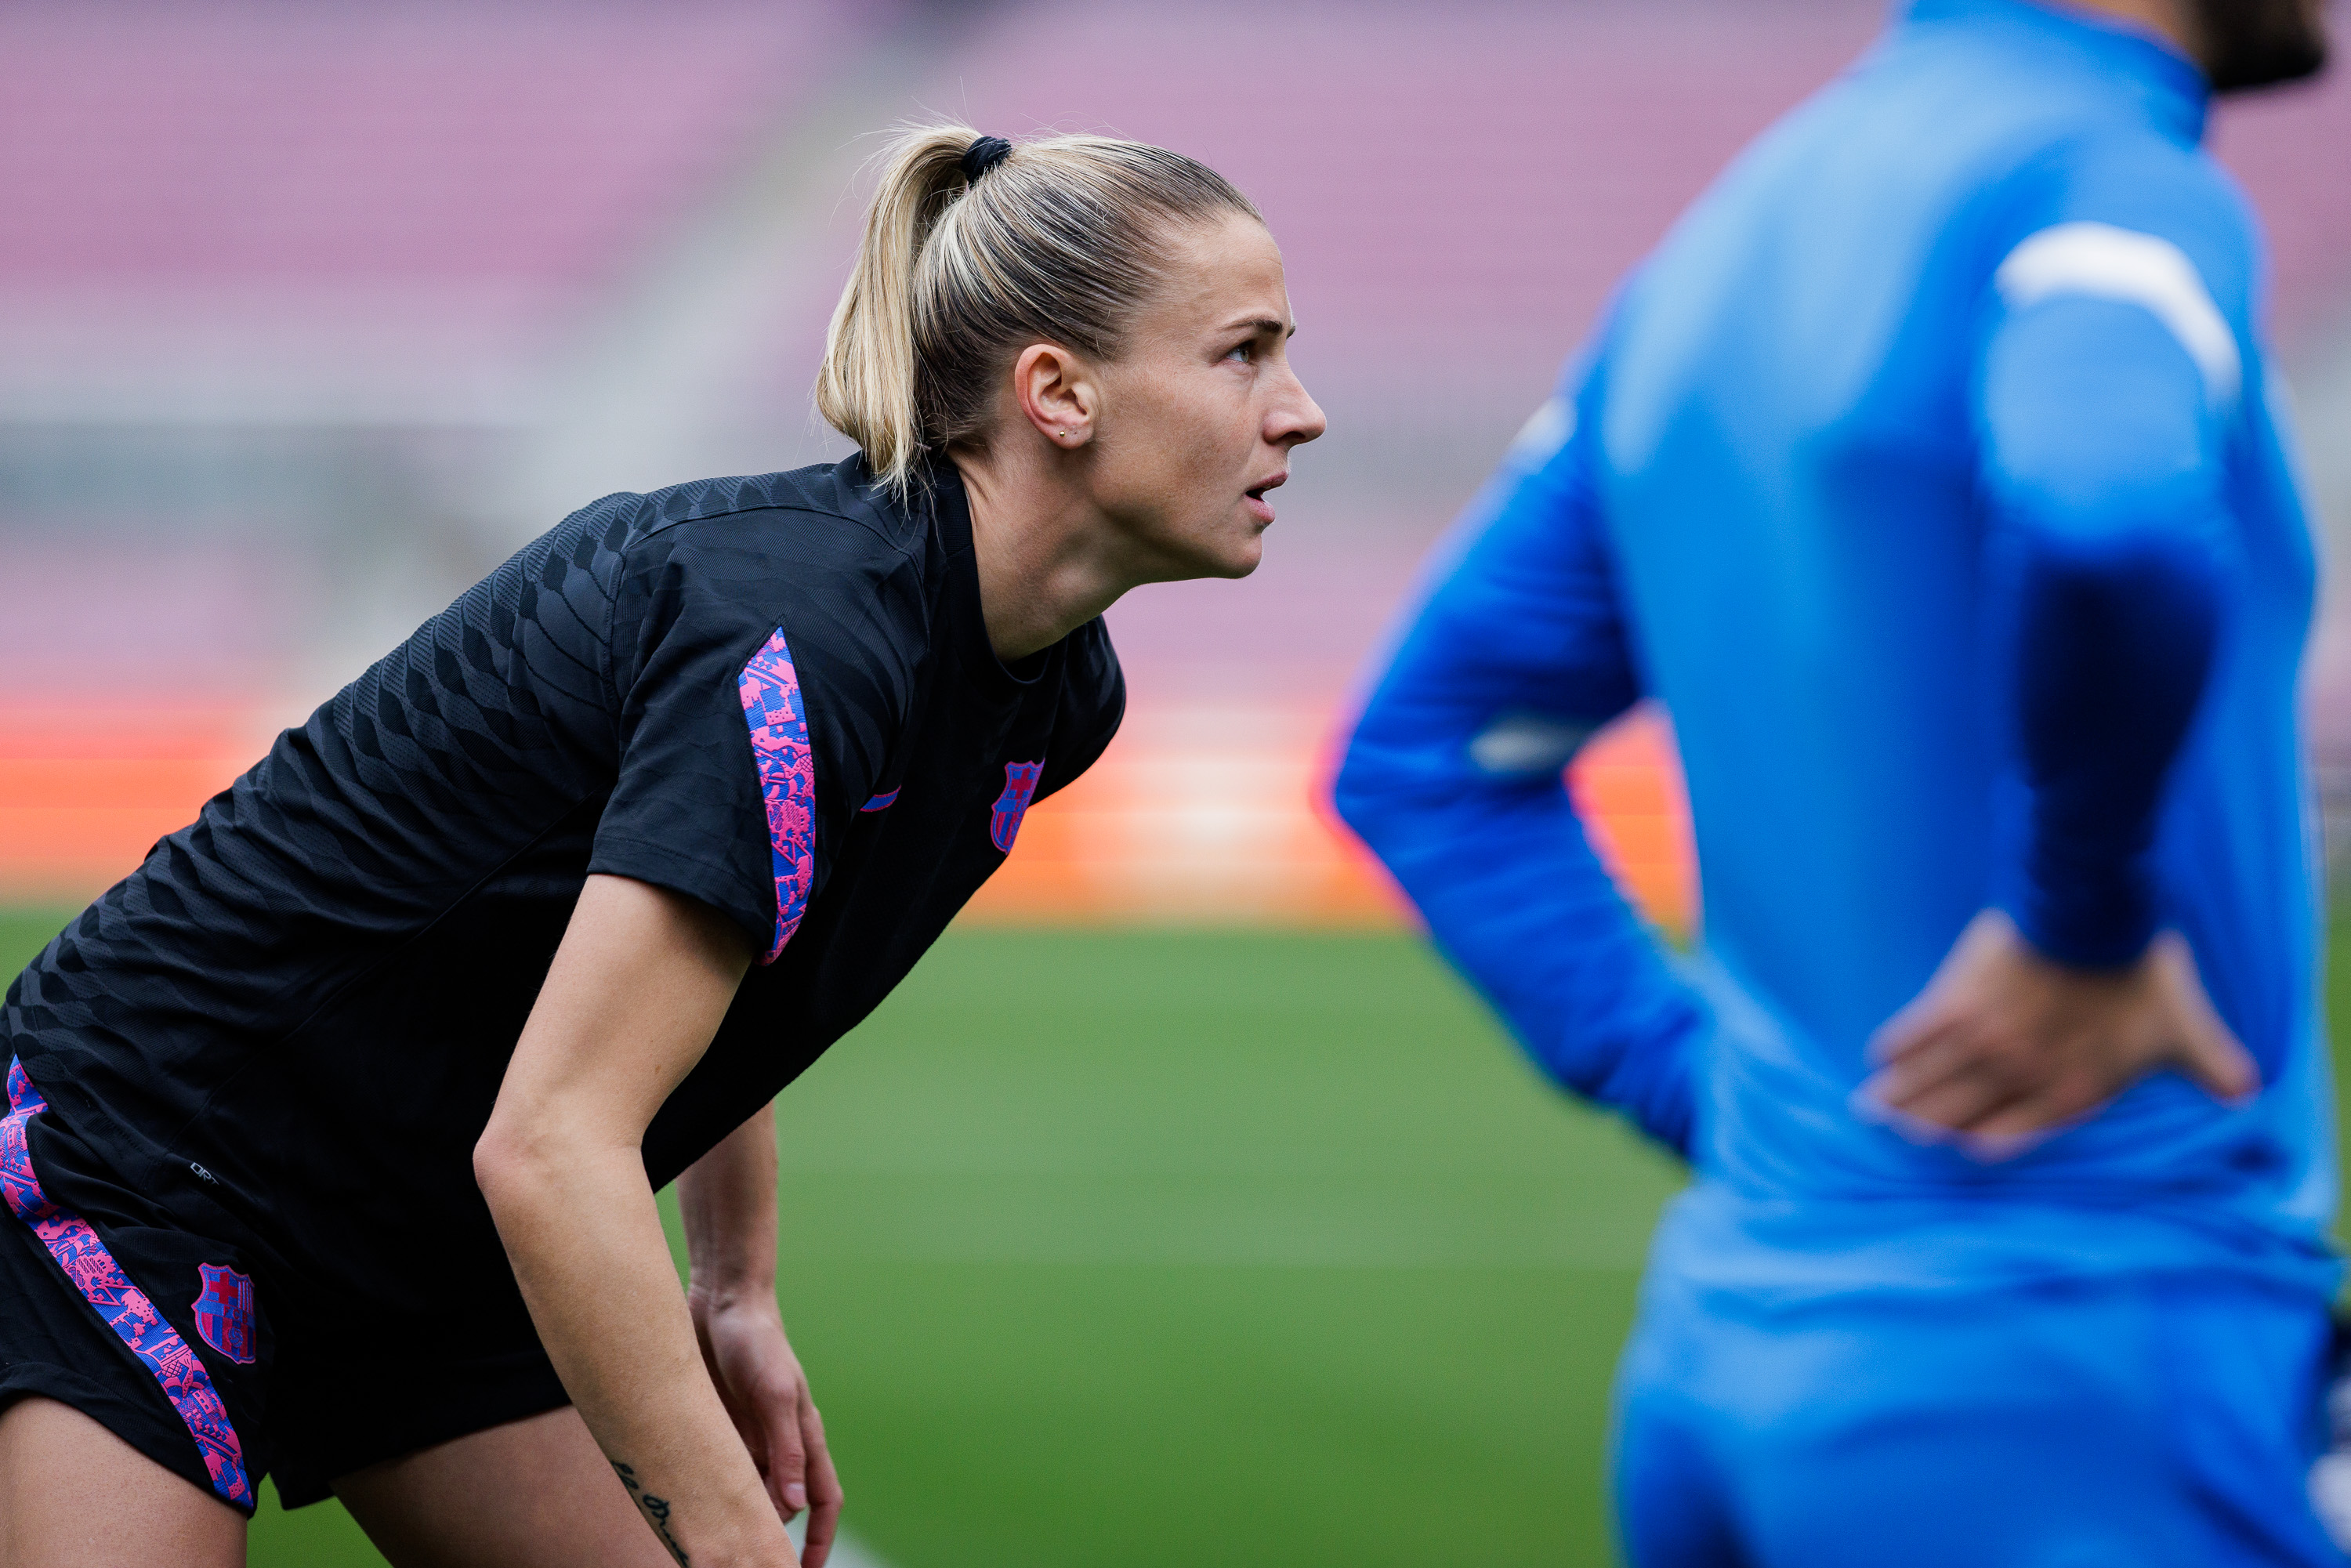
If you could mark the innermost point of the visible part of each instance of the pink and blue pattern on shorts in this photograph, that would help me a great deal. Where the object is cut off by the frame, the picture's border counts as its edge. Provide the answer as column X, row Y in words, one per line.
column 773, row 707
column 125, row 1307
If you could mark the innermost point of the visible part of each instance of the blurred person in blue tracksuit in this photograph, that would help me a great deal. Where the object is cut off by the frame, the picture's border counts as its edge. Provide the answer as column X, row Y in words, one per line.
column 1932, row 475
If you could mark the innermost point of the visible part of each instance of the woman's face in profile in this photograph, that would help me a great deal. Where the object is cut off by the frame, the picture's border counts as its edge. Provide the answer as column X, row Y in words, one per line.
column 1199, row 415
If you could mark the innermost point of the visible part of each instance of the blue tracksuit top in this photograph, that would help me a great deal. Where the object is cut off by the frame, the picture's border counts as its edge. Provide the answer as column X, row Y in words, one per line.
column 1931, row 475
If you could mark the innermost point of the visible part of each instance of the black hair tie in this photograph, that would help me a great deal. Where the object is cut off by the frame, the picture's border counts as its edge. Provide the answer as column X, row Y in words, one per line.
column 984, row 154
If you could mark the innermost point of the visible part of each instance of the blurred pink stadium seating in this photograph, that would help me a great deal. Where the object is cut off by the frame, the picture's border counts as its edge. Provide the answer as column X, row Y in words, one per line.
column 1466, row 184
column 474, row 171
column 1456, row 185
column 2293, row 150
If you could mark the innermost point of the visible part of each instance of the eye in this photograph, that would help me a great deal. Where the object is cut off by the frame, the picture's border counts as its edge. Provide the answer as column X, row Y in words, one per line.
column 1244, row 350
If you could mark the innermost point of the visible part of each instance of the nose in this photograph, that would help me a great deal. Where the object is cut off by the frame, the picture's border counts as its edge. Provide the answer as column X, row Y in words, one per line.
column 1297, row 417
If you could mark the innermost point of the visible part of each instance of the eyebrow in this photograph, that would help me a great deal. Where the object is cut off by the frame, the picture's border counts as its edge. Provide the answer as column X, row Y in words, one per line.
column 1265, row 324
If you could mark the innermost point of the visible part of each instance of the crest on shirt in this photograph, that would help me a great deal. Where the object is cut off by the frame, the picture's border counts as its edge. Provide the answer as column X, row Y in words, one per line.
column 225, row 1311
column 1020, row 788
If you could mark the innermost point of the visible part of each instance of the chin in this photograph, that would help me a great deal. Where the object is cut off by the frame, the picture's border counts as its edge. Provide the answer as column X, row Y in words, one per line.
column 1230, row 553
column 1241, row 559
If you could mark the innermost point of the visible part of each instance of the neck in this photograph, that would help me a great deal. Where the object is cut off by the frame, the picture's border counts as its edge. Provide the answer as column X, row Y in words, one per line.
column 1047, row 565
column 2173, row 21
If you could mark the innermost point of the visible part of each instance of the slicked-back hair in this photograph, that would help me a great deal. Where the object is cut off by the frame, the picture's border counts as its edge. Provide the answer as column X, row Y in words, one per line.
column 1061, row 241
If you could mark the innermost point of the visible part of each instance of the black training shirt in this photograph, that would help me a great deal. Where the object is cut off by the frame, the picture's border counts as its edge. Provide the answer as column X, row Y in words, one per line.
column 774, row 695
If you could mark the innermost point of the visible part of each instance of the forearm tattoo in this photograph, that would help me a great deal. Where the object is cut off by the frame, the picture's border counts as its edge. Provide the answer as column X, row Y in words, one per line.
column 654, row 1509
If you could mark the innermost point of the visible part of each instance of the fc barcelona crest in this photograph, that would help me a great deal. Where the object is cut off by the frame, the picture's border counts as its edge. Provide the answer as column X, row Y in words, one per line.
column 1020, row 788
column 225, row 1311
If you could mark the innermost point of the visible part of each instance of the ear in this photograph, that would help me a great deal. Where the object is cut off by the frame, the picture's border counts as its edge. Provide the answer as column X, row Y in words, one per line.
column 1057, row 394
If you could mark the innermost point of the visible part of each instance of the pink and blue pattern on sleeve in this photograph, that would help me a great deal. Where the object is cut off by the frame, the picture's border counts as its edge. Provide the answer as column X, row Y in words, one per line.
column 126, row 1308
column 773, row 707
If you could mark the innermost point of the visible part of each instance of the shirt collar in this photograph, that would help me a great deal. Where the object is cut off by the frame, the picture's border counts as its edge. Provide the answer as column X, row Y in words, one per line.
column 2169, row 86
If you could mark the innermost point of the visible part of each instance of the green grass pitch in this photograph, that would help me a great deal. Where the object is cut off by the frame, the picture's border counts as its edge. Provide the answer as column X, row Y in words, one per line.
column 1130, row 1247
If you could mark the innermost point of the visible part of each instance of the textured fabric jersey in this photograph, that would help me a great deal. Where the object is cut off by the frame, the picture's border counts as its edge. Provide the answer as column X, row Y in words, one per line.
column 1930, row 474
column 286, row 1029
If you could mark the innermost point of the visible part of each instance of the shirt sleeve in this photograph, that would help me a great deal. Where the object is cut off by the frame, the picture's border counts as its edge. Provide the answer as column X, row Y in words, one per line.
column 736, row 747
column 1453, row 778
column 2108, row 381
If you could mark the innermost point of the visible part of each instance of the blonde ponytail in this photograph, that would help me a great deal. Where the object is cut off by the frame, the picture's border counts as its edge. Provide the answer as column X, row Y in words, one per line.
column 866, row 388
column 1060, row 241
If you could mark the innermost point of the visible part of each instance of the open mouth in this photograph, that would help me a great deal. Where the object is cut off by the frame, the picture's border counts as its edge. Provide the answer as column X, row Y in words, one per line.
column 1256, row 497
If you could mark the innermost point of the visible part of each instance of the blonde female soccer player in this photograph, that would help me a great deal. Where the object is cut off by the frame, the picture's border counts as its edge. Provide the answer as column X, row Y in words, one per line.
column 332, row 1132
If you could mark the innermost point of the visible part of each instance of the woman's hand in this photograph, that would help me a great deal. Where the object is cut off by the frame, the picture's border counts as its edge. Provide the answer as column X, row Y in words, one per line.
column 761, row 1382
column 2004, row 1047
column 727, row 1202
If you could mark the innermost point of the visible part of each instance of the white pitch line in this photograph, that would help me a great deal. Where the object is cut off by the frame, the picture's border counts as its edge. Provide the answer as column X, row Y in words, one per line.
column 846, row 1551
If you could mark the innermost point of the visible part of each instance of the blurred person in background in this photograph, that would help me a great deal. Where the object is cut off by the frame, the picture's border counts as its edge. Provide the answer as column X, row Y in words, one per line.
column 1932, row 476
column 333, row 1132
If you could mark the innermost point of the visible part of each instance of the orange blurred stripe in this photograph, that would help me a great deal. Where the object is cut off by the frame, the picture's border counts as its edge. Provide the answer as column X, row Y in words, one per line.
column 89, row 781
column 1207, row 814
column 113, row 728
column 169, row 784
column 1168, row 827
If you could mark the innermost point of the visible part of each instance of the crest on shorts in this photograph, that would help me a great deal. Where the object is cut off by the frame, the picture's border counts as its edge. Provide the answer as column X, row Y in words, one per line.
column 1020, row 788
column 225, row 1311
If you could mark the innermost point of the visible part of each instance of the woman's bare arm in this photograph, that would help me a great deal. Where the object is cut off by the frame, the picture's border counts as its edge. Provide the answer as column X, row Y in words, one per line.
column 638, row 988
column 728, row 1200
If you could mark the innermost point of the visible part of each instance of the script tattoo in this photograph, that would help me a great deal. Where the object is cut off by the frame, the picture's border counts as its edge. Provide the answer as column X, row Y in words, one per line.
column 654, row 1509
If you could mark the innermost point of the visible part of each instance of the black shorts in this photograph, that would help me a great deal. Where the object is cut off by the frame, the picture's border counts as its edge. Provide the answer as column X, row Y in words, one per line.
column 162, row 1331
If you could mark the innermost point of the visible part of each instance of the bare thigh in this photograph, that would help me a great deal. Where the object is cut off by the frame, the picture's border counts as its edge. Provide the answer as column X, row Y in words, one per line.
column 74, row 1494
column 533, row 1493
